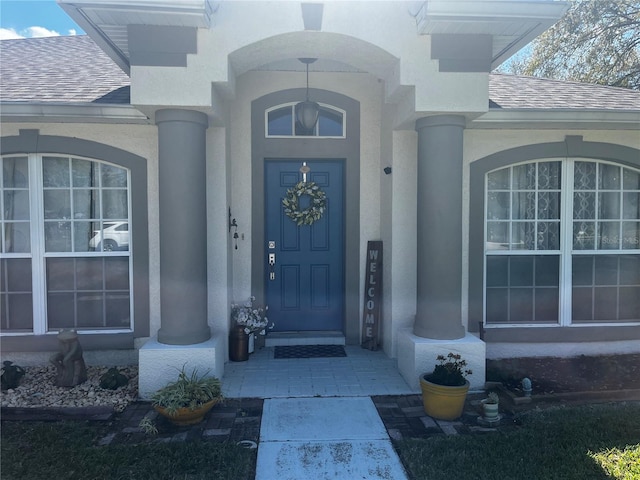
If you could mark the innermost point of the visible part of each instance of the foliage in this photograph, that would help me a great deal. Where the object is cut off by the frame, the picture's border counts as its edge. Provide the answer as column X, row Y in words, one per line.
column 492, row 398
column 549, row 444
column 68, row 450
column 11, row 375
column 449, row 371
column 147, row 426
column 113, row 379
column 596, row 41
column 620, row 463
column 252, row 318
column 306, row 216
column 189, row 391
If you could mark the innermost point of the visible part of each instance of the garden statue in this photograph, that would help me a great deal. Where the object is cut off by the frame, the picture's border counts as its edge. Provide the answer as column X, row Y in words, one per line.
column 11, row 375
column 69, row 362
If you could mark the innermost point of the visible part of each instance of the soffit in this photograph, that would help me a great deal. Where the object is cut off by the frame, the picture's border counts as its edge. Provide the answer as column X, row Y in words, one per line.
column 511, row 23
column 106, row 21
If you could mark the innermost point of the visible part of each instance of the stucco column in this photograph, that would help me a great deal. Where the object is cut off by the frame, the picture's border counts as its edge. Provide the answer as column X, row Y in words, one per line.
column 183, row 226
column 439, row 255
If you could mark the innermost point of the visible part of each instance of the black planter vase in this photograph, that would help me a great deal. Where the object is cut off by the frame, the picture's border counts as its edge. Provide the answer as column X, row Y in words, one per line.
column 238, row 345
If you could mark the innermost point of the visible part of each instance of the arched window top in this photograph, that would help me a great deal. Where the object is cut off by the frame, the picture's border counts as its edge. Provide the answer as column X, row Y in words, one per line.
column 280, row 122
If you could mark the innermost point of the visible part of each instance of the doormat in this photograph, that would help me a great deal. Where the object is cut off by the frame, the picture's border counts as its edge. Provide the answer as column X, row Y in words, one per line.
column 309, row 351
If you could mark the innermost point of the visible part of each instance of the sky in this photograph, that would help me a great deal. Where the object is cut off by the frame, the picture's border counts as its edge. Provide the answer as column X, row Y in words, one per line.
column 34, row 18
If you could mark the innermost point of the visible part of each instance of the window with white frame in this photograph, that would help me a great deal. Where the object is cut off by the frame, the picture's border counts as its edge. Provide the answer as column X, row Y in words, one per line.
column 562, row 243
column 65, row 260
column 281, row 122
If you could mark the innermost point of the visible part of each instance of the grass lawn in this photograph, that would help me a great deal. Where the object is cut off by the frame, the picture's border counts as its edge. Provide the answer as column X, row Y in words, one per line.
column 67, row 450
column 589, row 442
column 563, row 443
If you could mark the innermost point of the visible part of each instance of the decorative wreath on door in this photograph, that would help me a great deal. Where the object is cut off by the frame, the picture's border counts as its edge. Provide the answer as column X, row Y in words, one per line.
column 313, row 212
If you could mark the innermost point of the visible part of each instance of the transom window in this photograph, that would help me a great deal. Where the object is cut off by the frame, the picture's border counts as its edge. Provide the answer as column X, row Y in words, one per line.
column 281, row 122
column 65, row 260
column 562, row 243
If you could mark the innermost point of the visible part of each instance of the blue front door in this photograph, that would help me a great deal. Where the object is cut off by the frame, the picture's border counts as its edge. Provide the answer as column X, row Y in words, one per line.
column 305, row 284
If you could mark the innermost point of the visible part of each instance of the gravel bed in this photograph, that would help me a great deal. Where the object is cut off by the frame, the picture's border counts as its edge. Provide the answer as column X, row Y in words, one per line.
column 37, row 390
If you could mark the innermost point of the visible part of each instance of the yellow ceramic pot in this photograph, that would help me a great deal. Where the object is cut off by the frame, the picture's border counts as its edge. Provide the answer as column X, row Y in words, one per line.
column 186, row 416
column 441, row 401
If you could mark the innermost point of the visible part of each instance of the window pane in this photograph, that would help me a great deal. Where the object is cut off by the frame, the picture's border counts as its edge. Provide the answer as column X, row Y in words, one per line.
column 497, row 305
column 98, row 298
column 17, row 237
column 16, row 205
column 330, row 123
column 548, row 236
column 547, row 305
column 524, row 177
column 57, row 204
column 631, row 235
column 609, row 177
column 86, row 204
column 521, row 305
column 631, row 205
column 609, row 235
column 549, row 175
column 497, row 271
column 57, row 236
column 549, row 205
column 55, row 172
column 498, row 180
column 280, row 121
column 547, row 270
column 584, row 206
column 15, row 172
column 521, row 271
column 584, row 176
column 113, row 176
column 83, row 233
column 606, row 288
column 114, row 204
column 524, row 206
column 609, row 206
column 523, row 236
column 498, row 236
column 584, row 235
column 84, row 173
column 631, row 180
column 498, row 205
column 630, row 303
column 16, row 300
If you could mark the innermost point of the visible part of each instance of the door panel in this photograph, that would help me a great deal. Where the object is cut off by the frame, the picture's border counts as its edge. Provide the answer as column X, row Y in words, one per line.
column 306, row 292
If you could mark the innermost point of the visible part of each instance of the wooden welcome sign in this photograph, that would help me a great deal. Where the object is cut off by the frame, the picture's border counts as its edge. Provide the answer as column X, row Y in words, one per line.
column 372, row 296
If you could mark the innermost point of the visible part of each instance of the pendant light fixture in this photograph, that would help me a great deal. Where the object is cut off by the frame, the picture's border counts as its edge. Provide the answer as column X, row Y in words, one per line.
column 307, row 111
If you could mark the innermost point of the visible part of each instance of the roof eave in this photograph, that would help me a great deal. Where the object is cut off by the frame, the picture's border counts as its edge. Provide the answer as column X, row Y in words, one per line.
column 514, row 22
column 54, row 112
column 537, row 118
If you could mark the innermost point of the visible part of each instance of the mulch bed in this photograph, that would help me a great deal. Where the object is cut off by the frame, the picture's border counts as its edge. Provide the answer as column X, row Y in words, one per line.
column 551, row 375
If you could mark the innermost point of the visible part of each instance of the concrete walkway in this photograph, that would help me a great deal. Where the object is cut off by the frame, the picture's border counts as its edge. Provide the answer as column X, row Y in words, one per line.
column 325, row 438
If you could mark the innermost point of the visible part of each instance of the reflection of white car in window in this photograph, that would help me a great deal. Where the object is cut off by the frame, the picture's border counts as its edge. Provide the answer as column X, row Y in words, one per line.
column 113, row 236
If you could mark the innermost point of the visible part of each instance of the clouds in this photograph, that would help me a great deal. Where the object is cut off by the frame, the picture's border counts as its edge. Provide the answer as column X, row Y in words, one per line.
column 30, row 32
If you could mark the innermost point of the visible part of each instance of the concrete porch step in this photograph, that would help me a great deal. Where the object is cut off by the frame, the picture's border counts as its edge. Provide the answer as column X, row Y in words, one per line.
column 304, row 338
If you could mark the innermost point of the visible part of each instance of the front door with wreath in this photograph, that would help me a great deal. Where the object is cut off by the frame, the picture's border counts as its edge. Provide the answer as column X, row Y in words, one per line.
column 304, row 244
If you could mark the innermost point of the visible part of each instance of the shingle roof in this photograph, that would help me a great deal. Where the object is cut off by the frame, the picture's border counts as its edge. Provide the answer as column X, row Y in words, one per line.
column 514, row 91
column 74, row 69
column 60, row 69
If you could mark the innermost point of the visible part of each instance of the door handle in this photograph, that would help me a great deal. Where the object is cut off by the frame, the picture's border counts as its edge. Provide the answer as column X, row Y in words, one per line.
column 272, row 264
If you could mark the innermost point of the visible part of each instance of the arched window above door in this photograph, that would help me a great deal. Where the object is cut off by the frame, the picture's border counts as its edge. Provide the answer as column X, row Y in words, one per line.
column 280, row 122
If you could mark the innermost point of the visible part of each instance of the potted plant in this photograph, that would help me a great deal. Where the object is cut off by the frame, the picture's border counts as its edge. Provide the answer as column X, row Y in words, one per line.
column 445, row 389
column 247, row 321
column 490, row 406
column 187, row 400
